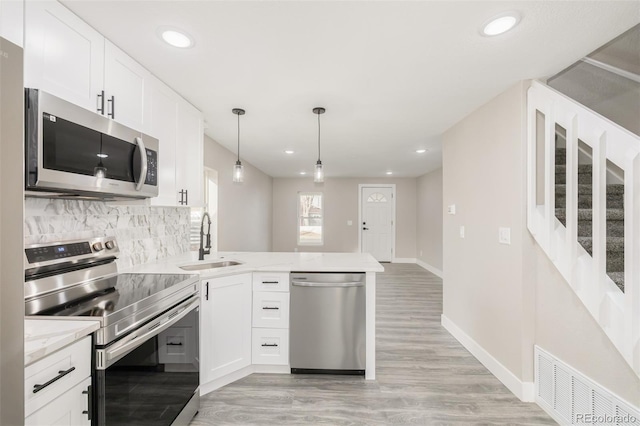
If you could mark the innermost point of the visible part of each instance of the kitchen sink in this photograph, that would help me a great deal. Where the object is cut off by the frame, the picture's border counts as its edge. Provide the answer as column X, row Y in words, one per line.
column 210, row 265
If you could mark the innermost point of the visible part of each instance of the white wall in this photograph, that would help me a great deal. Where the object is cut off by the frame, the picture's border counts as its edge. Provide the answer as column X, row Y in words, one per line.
column 244, row 209
column 11, row 229
column 483, row 176
column 564, row 327
column 341, row 205
column 509, row 297
column 429, row 219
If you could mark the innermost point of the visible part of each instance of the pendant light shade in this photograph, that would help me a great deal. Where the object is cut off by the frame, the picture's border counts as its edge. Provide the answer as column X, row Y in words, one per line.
column 238, row 170
column 318, row 175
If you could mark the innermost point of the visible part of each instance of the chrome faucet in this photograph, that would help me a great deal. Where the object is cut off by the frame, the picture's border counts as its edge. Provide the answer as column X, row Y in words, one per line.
column 202, row 251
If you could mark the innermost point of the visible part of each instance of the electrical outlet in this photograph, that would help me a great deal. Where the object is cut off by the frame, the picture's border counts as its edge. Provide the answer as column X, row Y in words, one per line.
column 349, row 223
column 504, row 235
column 451, row 209
column 461, row 231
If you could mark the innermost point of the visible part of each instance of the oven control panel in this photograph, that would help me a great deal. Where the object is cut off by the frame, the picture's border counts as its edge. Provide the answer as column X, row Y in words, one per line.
column 70, row 250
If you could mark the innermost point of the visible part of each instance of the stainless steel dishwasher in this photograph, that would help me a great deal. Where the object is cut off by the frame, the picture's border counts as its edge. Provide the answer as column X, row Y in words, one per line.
column 327, row 324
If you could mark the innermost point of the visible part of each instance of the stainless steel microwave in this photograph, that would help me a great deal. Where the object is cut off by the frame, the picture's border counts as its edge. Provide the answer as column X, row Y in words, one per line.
column 74, row 152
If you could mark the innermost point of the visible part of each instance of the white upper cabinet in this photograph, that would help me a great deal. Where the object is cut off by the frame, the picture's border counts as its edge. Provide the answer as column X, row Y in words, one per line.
column 124, row 87
column 67, row 58
column 11, row 21
column 63, row 55
column 161, row 115
column 190, row 155
column 179, row 128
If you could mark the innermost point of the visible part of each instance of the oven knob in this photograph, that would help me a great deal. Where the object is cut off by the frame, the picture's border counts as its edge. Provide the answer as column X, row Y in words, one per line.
column 97, row 246
column 110, row 245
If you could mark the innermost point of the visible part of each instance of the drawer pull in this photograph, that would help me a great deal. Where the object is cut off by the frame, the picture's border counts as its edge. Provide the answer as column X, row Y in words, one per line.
column 270, row 308
column 61, row 374
column 270, row 282
column 174, row 344
column 270, row 345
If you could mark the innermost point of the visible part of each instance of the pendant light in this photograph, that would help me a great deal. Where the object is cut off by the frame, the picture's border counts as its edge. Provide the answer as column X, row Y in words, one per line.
column 238, row 171
column 318, row 175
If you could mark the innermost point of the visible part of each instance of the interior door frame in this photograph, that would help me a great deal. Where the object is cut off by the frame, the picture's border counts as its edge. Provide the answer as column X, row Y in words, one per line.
column 361, row 186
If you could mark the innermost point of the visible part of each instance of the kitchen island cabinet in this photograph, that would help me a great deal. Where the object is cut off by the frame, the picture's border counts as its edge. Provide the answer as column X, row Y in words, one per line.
column 225, row 345
column 268, row 275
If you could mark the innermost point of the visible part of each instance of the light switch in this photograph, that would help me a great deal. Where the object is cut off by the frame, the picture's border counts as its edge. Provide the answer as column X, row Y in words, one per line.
column 461, row 231
column 349, row 222
column 451, row 209
column 504, row 235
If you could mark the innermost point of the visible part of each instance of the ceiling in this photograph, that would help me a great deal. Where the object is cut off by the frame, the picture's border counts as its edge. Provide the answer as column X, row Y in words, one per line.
column 393, row 75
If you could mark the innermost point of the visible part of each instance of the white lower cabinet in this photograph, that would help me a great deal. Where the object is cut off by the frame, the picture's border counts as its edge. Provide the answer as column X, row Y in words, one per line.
column 69, row 409
column 226, row 326
column 270, row 340
column 270, row 346
column 57, row 387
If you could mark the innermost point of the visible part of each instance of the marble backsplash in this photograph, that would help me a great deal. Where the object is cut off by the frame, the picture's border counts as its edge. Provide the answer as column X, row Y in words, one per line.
column 144, row 233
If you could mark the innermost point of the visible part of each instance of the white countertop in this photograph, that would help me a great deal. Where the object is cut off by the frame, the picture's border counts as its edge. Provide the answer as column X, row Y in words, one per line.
column 264, row 261
column 45, row 336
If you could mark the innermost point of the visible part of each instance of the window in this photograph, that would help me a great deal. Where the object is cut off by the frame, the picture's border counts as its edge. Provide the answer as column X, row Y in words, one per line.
column 310, row 216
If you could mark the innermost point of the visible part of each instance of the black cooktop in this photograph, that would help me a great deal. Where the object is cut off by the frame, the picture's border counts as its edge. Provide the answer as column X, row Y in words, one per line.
column 103, row 297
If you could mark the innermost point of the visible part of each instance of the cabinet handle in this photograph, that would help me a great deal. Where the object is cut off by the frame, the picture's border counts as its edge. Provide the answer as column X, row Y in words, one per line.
column 270, row 345
column 112, row 114
column 273, row 308
column 184, row 197
column 206, row 294
column 61, row 374
column 101, row 102
column 174, row 344
column 270, row 282
column 89, row 409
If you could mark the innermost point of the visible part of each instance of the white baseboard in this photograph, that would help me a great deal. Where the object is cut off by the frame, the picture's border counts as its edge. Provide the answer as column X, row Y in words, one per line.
column 525, row 391
column 403, row 260
column 435, row 271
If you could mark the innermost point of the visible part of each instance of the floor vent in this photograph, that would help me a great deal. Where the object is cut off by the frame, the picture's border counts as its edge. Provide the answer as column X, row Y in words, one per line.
column 573, row 399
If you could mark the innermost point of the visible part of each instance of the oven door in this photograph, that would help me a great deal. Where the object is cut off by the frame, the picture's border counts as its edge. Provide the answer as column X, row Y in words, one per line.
column 70, row 149
column 151, row 376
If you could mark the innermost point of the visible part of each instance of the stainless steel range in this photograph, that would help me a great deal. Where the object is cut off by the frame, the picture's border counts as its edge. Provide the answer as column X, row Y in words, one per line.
column 146, row 350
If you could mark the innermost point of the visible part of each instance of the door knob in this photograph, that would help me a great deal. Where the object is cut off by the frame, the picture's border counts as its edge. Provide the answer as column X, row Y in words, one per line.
column 365, row 229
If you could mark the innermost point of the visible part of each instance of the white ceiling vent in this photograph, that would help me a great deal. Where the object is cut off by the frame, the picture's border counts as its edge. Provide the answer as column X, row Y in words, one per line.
column 572, row 398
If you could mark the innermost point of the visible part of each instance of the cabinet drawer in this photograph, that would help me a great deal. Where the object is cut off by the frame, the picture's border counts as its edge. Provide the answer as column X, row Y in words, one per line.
column 270, row 309
column 270, row 346
column 270, row 281
column 74, row 359
column 71, row 408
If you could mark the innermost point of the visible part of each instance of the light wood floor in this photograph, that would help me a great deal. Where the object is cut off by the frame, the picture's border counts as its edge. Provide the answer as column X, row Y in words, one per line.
column 424, row 376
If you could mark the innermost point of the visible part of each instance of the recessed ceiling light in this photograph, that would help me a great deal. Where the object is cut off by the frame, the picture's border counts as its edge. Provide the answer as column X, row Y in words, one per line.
column 500, row 24
column 389, row 173
column 175, row 37
column 303, row 173
column 421, row 151
column 288, row 151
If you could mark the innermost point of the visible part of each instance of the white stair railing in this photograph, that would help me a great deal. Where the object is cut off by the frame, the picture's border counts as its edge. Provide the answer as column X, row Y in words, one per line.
column 617, row 312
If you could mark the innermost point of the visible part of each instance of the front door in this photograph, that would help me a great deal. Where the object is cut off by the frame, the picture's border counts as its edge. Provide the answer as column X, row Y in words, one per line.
column 377, row 222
